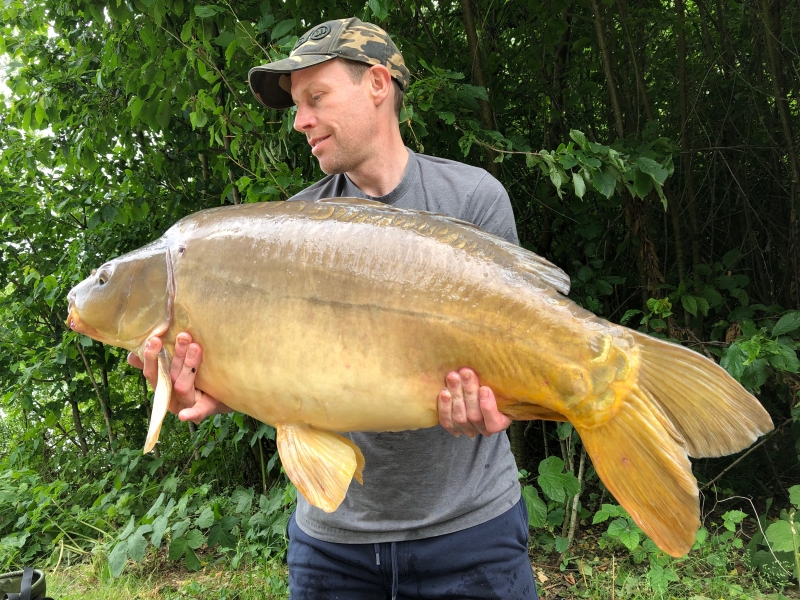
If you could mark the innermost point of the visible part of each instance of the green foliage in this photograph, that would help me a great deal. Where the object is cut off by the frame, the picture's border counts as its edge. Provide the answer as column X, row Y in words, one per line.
column 775, row 548
column 119, row 118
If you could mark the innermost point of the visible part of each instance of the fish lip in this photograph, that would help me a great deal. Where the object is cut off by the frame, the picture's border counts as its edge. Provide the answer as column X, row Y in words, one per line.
column 74, row 320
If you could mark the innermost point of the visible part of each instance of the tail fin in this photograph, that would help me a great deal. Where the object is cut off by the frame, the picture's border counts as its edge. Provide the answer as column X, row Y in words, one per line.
column 714, row 414
column 642, row 460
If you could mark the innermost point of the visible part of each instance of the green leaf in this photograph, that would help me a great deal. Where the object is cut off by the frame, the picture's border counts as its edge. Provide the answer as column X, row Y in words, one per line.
column 137, row 544
column 794, row 495
column 220, row 535
column 779, row 535
column 206, row 518
column 689, row 304
column 630, row 538
column 243, row 499
column 224, row 39
column 555, row 484
column 732, row 518
column 741, row 296
column 537, row 510
column 195, row 539
column 282, row 28
column 41, row 114
column 579, row 139
column 448, row 117
column 379, row 9
column 603, row 287
column 192, row 562
column 652, row 168
column 136, row 108
column 787, row 323
column 128, row 529
column 603, row 182
column 579, row 184
column 177, row 548
column 186, row 31
column 118, row 558
column 628, row 315
column 642, row 183
column 207, row 10
column 159, row 527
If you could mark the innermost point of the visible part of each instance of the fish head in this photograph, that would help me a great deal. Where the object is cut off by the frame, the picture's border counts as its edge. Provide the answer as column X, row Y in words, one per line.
column 126, row 300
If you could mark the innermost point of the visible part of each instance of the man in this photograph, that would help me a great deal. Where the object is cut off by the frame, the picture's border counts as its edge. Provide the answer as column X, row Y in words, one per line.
column 440, row 513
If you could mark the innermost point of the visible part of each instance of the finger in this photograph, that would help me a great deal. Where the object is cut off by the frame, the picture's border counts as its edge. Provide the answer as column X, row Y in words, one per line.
column 494, row 421
column 135, row 361
column 182, row 342
column 150, row 370
column 203, row 407
column 445, row 406
column 457, row 409
column 184, row 384
column 470, row 386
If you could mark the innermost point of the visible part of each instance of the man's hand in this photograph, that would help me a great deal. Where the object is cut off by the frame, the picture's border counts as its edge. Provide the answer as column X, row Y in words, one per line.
column 469, row 408
column 189, row 403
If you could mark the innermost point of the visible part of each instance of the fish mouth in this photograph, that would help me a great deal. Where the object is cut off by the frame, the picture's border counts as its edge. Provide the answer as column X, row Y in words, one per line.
column 74, row 320
column 77, row 325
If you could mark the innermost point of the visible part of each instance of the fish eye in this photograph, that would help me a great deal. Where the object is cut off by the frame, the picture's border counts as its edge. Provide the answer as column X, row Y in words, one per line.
column 102, row 278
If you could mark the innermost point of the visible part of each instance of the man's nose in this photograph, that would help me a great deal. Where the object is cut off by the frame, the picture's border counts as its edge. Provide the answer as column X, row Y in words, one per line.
column 303, row 119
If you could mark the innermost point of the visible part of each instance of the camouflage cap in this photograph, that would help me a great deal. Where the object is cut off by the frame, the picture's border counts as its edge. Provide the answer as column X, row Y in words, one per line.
column 342, row 38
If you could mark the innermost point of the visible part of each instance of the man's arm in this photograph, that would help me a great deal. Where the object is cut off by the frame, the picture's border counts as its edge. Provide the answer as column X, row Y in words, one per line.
column 189, row 403
column 466, row 407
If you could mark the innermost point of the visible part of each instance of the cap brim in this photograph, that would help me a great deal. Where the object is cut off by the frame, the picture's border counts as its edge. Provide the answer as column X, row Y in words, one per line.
column 265, row 80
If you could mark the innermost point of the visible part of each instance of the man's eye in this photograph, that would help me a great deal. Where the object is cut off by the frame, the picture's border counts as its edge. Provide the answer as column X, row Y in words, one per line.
column 316, row 97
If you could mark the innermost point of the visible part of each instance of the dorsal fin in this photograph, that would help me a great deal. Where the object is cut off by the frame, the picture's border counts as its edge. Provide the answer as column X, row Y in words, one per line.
column 439, row 226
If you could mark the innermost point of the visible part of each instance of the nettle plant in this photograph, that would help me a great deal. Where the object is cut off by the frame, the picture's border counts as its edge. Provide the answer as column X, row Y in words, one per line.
column 775, row 548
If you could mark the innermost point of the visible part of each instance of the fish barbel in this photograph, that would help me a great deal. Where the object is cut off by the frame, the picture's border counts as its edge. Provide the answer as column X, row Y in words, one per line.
column 305, row 309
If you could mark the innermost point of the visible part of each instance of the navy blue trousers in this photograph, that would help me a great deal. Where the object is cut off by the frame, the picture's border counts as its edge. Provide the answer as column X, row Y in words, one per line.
column 487, row 561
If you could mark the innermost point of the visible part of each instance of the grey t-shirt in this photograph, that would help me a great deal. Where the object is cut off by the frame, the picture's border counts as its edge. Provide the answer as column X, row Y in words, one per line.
column 426, row 482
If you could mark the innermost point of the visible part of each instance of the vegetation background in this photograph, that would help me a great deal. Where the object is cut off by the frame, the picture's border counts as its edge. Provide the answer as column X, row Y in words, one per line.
column 649, row 149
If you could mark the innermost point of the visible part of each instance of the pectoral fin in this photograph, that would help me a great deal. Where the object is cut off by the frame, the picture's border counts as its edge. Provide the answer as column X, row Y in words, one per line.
column 160, row 402
column 320, row 463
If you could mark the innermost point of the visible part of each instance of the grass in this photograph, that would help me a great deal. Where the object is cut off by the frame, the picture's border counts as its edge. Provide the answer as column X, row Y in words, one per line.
column 82, row 582
column 596, row 579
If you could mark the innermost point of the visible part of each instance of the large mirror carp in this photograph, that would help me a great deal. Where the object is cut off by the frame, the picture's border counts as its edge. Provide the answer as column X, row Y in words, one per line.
column 305, row 309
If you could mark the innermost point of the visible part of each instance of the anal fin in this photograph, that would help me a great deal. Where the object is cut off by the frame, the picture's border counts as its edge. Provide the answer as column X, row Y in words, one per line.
column 163, row 393
column 319, row 463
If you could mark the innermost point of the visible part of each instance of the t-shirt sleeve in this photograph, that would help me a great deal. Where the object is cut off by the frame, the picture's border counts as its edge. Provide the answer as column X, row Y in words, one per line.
column 490, row 209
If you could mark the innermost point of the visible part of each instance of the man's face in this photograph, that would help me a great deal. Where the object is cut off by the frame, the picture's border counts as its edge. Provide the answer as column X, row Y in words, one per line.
column 335, row 114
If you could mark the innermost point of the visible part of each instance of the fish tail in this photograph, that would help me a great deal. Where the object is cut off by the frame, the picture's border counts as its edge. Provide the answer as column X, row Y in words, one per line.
column 643, row 462
column 714, row 414
column 681, row 404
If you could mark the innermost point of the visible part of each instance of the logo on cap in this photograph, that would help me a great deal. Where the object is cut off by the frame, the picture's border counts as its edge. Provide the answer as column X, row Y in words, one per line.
column 320, row 32
column 316, row 34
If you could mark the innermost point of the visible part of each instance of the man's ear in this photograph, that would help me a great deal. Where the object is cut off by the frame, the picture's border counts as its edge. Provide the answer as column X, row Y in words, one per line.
column 380, row 84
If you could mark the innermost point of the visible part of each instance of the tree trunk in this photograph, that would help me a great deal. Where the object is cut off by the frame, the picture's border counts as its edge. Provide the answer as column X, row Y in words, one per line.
column 76, row 420
column 686, row 157
column 622, row 7
column 771, row 16
column 516, row 434
column 103, row 405
column 557, row 131
column 606, row 56
column 479, row 77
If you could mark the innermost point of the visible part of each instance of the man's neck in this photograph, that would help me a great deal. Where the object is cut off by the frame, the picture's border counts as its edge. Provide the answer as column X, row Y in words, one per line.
column 383, row 171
